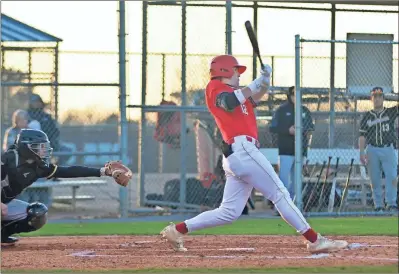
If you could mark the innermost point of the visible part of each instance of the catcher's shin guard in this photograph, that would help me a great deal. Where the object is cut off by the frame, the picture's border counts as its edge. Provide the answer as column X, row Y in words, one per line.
column 36, row 219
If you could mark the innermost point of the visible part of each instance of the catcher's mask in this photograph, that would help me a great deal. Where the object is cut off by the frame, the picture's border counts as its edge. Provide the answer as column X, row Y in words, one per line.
column 33, row 143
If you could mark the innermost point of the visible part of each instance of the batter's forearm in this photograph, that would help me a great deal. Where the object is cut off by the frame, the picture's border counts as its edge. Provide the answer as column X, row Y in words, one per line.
column 258, row 96
column 247, row 92
column 75, row 172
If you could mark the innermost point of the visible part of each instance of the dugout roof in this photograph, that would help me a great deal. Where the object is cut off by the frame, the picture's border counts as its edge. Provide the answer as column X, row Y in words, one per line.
column 13, row 30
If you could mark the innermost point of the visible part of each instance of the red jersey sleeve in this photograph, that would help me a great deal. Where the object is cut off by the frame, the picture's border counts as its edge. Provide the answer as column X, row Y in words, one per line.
column 214, row 88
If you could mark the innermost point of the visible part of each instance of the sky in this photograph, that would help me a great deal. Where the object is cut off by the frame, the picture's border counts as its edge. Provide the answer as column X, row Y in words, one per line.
column 93, row 27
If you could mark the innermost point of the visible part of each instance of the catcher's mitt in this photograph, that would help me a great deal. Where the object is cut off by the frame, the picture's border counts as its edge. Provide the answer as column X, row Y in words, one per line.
column 121, row 173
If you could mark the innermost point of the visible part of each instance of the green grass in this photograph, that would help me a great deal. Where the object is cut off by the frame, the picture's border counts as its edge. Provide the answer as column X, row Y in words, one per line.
column 326, row 226
column 343, row 269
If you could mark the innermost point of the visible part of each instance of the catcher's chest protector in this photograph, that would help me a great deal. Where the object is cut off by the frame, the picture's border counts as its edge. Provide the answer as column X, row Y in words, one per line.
column 168, row 127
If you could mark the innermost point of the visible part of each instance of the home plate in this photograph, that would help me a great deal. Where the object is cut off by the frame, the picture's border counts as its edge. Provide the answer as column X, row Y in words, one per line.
column 356, row 245
column 238, row 249
column 145, row 242
column 318, row 256
column 84, row 254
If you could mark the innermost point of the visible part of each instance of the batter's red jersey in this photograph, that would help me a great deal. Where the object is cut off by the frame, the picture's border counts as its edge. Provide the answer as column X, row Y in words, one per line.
column 241, row 121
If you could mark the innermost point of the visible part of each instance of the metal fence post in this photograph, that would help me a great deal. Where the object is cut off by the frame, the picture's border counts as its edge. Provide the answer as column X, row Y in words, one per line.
column 331, row 128
column 56, row 60
column 298, row 125
column 142, row 131
column 123, row 126
column 229, row 45
column 183, row 141
column 162, row 145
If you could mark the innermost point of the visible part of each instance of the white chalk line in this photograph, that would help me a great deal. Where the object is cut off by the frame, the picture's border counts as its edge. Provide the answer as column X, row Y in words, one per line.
column 250, row 249
column 118, row 236
column 383, row 245
column 89, row 254
column 139, row 245
column 202, row 247
column 92, row 254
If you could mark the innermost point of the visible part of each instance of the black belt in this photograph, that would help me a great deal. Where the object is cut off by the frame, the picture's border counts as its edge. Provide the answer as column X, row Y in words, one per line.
column 227, row 149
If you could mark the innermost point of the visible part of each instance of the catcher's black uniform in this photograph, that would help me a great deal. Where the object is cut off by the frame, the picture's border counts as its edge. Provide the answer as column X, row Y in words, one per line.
column 21, row 165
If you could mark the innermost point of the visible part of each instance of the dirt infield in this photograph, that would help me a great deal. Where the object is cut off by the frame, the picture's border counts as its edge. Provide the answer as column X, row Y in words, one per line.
column 136, row 252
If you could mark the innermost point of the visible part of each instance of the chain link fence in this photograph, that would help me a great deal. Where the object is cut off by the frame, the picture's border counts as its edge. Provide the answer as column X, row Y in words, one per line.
column 340, row 100
column 63, row 94
column 176, row 140
column 172, row 138
column 168, row 162
column 163, row 141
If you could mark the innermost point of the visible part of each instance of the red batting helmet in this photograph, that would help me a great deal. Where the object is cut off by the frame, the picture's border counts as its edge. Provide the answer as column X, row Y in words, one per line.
column 222, row 66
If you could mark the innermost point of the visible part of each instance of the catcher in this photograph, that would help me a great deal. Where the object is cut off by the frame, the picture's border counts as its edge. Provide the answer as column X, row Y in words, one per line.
column 27, row 160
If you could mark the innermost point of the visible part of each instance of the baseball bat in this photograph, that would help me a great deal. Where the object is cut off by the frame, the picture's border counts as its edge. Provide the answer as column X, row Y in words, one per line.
column 254, row 41
column 251, row 203
column 310, row 178
column 324, row 183
column 336, row 168
column 345, row 192
column 315, row 186
column 333, row 187
column 305, row 168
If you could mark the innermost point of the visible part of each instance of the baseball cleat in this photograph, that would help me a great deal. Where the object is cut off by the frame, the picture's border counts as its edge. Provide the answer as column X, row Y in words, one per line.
column 8, row 241
column 174, row 237
column 326, row 245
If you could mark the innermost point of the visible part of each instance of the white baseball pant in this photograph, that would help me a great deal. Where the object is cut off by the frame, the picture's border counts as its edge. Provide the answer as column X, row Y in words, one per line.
column 248, row 168
column 16, row 210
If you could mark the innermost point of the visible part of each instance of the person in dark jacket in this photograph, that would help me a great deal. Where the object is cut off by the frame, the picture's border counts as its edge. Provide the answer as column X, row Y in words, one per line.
column 283, row 124
column 47, row 123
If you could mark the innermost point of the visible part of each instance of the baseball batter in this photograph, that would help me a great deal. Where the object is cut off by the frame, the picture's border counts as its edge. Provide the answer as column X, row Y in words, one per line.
column 245, row 166
column 21, row 165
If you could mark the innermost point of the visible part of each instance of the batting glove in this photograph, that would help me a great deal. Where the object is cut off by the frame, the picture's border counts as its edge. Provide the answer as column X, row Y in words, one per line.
column 266, row 71
column 263, row 81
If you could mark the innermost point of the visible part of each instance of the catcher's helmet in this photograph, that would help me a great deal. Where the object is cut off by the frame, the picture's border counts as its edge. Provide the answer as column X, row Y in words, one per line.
column 222, row 66
column 33, row 143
